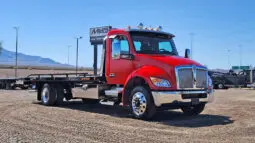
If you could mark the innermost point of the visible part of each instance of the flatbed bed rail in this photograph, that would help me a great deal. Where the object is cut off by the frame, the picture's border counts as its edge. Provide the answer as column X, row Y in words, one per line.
column 32, row 79
column 58, row 74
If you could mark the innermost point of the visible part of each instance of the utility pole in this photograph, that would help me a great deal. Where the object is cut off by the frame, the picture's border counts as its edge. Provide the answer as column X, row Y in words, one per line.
column 77, row 50
column 68, row 49
column 191, row 44
column 16, row 60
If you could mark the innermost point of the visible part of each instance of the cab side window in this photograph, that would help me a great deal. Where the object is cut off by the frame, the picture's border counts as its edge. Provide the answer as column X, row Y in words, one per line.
column 119, row 46
column 137, row 45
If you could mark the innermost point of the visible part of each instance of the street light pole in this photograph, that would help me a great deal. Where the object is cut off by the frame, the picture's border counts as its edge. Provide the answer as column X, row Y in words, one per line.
column 77, row 50
column 16, row 60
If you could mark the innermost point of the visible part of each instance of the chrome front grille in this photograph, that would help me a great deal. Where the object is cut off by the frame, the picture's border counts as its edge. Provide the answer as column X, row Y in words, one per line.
column 185, row 78
column 201, row 78
column 191, row 77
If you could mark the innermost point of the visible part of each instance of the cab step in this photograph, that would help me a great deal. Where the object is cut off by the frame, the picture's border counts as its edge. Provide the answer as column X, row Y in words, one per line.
column 110, row 103
column 114, row 92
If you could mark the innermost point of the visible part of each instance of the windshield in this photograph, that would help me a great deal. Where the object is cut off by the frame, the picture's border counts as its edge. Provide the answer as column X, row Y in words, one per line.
column 153, row 43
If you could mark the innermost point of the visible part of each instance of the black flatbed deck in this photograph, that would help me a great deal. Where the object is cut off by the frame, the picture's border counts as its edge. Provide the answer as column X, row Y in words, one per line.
column 67, row 77
column 72, row 78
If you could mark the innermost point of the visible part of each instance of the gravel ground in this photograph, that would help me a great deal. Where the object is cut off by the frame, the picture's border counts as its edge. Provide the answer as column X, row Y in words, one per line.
column 231, row 118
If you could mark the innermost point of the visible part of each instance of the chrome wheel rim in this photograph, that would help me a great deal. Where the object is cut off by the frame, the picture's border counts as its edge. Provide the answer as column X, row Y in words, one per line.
column 139, row 103
column 45, row 95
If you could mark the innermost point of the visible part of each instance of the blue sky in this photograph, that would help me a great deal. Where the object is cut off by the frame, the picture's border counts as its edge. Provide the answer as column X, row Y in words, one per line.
column 47, row 27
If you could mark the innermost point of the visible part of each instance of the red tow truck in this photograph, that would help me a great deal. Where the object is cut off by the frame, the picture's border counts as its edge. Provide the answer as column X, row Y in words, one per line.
column 140, row 69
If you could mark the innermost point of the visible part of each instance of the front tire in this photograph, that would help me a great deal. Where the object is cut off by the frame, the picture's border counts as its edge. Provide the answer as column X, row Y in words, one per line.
column 193, row 110
column 141, row 103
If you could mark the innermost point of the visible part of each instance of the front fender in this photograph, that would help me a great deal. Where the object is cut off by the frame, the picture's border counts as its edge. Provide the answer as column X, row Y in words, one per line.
column 144, row 73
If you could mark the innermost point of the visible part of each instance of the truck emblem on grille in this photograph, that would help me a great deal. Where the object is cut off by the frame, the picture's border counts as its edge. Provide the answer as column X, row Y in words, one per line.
column 194, row 72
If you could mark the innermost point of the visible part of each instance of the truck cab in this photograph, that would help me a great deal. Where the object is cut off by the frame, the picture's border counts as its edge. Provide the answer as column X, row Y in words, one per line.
column 144, row 71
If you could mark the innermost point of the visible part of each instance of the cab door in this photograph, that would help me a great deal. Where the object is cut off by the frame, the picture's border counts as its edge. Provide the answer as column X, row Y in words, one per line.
column 120, row 60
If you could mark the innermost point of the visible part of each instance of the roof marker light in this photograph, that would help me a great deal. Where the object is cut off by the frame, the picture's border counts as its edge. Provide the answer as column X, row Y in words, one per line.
column 159, row 28
column 140, row 26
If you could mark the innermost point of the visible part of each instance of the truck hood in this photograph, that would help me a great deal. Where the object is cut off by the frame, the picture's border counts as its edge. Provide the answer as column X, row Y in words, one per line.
column 165, row 62
column 172, row 60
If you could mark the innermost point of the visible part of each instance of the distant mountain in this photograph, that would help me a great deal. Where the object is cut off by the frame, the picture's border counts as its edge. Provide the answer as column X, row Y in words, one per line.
column 8, row 58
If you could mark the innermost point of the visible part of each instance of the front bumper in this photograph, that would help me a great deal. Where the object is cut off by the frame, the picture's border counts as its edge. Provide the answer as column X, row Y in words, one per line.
column 251, row 85
column 167, row 97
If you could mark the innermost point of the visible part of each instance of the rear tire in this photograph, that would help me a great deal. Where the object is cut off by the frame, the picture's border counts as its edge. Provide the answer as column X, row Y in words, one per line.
column 48, row 95
column 141, row 103
column 193, row 110
column 60, row 94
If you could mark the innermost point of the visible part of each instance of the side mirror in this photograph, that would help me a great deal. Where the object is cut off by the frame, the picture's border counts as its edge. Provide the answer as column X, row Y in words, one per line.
column 187, row 53
column 127, row 56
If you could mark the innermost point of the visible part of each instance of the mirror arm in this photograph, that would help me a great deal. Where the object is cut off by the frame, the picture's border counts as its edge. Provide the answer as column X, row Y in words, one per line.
column 127, row 56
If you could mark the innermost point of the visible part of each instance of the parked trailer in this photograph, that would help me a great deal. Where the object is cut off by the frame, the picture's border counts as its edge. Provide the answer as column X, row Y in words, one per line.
column 13, row 83
column 7, row 83
column 140, row 69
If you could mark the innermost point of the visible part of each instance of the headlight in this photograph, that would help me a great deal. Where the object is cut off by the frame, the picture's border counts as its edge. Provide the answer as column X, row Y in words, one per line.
column 160, row 82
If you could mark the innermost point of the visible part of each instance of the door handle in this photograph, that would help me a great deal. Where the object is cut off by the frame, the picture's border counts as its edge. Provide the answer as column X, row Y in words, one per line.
column 112, row 75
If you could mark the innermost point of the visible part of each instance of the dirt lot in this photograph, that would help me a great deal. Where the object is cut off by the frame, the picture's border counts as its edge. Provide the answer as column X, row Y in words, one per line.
column 231, row 118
